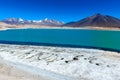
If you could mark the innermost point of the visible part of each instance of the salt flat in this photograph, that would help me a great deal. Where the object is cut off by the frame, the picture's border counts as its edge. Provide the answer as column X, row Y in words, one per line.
column 64, row 63
column 16, row 71
column 11, row 72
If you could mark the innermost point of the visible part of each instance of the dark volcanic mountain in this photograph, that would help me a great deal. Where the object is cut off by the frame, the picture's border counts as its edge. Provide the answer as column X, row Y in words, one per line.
column 97, row 20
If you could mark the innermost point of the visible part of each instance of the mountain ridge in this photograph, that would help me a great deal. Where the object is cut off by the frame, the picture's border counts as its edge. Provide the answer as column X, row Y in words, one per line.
column 46, row 21
column 96, row 20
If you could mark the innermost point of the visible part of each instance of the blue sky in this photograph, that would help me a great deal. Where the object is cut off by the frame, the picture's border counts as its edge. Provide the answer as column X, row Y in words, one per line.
column 63, row 10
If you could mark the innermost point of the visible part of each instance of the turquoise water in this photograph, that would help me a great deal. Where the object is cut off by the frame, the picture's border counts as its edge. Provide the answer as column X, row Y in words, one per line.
column 75, row 37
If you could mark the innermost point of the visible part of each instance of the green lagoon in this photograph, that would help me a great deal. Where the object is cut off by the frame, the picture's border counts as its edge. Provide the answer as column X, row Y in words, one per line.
column 103, row 39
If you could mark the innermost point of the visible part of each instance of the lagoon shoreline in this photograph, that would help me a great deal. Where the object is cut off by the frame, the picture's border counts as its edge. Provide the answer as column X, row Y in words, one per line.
column 63, row 63
column 56, row 45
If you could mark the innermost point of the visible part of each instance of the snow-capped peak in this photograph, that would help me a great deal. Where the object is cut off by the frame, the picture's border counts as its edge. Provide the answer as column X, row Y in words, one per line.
column 46, row 19
column 20, row 19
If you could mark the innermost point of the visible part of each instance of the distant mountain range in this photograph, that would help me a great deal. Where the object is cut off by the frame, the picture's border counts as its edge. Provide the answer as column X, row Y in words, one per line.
column 97, row 20
column 46, row 21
